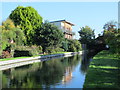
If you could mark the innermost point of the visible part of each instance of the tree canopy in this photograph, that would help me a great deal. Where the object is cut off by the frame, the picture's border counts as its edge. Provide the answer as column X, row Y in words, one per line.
column 49, row 36
column 74, row 46
column 86, row 35
column 28, row 19
column 112, row 36
column 11, row 33
column 111, row 25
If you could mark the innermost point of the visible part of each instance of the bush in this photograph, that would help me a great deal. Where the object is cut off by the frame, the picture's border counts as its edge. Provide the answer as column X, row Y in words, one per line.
column 54, row 50
column 27, row 51
column 59, row 49
column 22, row 53
column 74, row 46
column 65, row 45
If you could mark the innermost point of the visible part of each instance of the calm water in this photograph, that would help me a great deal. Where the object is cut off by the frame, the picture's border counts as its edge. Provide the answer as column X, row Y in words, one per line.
column 66, row 72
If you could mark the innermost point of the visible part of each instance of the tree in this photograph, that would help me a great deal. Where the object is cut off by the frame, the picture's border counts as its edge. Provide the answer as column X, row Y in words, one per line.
column 49, row 36
column 74, row 46
column 11, row 35
column 86, row 35
column 111, row 25
column 65, row 44
column 112, row 36
column 77, row 45
column 29, row 21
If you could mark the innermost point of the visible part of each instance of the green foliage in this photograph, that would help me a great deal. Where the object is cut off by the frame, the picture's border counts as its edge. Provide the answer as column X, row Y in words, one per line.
column 49, row 36
column 74, row 46
column 54, row 50
column 110, row 26
column 11, row 36
column 28, row 19
column 65, row 44
column 86, row 35
column 27, row 51
column 77, row 44
column 112, row 37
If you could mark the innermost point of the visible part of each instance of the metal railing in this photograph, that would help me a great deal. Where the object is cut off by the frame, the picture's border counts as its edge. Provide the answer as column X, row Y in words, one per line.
column 68, row 31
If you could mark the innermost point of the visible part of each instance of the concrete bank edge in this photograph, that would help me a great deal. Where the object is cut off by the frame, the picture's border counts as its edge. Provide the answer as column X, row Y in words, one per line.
column 38, row 57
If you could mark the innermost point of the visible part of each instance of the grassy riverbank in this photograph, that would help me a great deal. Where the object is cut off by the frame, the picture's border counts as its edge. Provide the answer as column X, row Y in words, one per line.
column 103, row 72
column 5, row 59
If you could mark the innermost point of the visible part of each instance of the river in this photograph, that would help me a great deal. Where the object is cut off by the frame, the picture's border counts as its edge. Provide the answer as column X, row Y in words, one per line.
column 63, row 72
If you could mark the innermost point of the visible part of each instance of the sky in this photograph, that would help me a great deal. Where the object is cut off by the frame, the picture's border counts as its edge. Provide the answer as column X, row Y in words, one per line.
column 92, row 14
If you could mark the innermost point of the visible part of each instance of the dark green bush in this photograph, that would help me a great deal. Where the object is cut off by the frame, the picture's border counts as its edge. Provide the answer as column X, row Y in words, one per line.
column 27, row 51
column 22, row 53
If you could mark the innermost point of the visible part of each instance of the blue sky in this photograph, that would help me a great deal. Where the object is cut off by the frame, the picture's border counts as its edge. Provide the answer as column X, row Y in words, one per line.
column 93, row 14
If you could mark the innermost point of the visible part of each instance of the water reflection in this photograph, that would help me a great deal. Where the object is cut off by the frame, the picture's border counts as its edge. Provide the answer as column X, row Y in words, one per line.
column 86, row 59
column 46, row 74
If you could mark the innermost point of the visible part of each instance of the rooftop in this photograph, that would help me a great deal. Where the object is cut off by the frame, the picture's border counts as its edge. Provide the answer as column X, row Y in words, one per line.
column 63, row 21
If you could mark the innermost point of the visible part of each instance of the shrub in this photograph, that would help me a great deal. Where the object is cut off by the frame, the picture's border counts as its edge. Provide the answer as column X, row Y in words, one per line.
column 22, row 53
column 27, row 51
column 74, row 46
column 65, row 45
column 5, row 54
column 59, row 49
column 54, row 50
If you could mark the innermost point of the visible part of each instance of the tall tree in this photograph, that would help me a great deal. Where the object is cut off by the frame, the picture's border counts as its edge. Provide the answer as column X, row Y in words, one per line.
column 49, row 36
column 11, row 35
column 74, row 45
column 112, row 36
column 86, row 35
column 29, row 21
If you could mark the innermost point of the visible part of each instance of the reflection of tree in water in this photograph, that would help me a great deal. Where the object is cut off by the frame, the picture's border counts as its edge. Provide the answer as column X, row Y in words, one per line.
column 50, row 74
column 86, row 58
column 15, row 77
column 40, row 75
column 33, row 76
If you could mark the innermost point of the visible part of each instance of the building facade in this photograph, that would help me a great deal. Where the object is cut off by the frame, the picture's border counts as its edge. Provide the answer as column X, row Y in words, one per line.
column 66, row 27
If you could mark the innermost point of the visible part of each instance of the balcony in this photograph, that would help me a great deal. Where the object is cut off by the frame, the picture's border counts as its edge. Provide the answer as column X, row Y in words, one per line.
column 68, row 31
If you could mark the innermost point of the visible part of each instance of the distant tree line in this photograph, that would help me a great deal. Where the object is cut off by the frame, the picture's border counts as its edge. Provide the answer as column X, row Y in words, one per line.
column 110, row 39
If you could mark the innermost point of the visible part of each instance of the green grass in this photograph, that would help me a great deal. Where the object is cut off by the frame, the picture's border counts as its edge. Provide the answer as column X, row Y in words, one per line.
column 103, row 72
column 6, row 59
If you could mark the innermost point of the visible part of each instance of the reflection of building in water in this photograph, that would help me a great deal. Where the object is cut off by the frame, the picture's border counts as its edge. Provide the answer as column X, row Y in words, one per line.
column 67, row 76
